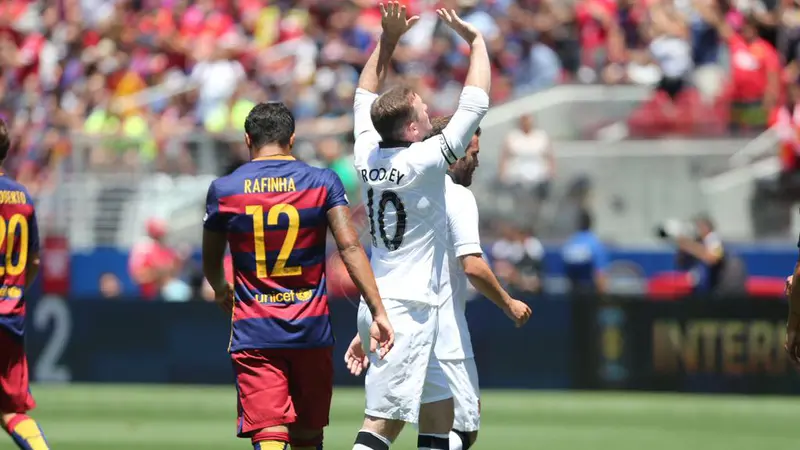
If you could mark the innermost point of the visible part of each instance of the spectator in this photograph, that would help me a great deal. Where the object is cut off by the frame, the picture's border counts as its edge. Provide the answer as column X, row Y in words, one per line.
column 669, row 47
column 585, row 259
column 519, row 259
column 707, row 251
column 110, row 286
column 153, row 264
column 755, row 67
column 526, row 160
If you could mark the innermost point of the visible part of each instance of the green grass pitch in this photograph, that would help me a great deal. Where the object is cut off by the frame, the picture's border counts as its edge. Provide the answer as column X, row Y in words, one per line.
column 111, row 417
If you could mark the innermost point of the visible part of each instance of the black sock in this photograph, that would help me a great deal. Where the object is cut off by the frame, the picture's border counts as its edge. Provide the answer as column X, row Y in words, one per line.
column 463, row 436
column 433, row 442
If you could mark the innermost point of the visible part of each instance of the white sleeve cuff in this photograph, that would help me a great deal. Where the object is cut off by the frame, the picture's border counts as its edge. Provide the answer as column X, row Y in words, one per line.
column 474, row 98
column 468, row 249
column 364, row 92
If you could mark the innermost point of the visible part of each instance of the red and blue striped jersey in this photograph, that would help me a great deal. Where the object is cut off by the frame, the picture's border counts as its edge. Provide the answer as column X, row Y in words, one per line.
column 274, row 212
column 19, row 239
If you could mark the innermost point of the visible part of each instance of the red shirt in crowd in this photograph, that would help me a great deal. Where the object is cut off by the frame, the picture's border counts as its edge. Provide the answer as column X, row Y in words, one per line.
column 151, row 260
column 750, row 65
column 593, row 34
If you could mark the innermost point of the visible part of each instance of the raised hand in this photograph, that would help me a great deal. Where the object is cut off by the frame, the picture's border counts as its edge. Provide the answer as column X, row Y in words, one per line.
column 394, row 21
column 467, row 31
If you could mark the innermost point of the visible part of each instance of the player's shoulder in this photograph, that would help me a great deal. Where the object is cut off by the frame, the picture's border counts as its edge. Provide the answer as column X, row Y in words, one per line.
column 11, row 186
column 457, row 192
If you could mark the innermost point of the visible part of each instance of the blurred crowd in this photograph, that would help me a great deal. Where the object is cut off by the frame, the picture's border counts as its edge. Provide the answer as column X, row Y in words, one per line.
column 139, row 76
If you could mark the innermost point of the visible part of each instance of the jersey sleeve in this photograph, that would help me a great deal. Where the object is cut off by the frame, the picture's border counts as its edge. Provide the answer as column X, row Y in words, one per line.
column 445, row 148
column 336, row 194
column 214, row 220
column 362, row 120
column 33, row 233
column 462, row 221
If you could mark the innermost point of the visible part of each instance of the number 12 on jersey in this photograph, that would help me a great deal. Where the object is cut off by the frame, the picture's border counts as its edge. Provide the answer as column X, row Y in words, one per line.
column 400, row 214
column 280, row 269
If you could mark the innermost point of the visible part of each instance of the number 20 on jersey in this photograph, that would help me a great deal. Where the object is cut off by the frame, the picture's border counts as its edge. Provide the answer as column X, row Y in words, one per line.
column 8, row 239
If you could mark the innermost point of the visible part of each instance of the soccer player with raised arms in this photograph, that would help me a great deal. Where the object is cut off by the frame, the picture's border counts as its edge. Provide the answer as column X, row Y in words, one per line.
column 274, row 212
column 402, row 175
column 465, row 264
column 19, row 245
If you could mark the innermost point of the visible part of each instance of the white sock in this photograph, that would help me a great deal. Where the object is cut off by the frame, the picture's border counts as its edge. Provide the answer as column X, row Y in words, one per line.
column 367, row 440
column 433, row 442
column 455, row 441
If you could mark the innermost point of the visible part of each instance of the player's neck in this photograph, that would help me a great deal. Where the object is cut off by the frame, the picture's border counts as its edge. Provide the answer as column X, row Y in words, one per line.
column 271, row 152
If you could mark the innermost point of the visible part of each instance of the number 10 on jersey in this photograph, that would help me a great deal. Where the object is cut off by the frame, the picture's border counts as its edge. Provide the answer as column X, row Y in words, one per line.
column 400, row 214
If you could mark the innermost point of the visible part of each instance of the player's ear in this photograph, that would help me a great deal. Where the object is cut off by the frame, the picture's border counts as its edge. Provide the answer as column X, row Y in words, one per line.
column 247, row 140
column 291, row 141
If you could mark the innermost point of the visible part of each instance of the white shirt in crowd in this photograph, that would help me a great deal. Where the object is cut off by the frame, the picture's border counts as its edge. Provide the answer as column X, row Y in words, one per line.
column 673, row 55
column 528, row 163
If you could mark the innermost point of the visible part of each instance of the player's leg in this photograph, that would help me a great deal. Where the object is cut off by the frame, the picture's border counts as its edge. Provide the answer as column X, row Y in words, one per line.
column 436, row 411
column 264, row 406
column 15, row 395
column 394, row 384
column 377, row 433
column 311, row 388
column 462, row 375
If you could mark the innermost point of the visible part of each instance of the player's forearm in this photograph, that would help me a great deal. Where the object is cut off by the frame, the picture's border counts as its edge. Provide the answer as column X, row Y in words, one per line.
column 377, row 66
column 794, row 294
column 480, row 69
column 472, row 107
column 482, row 278
column 213, row 256
column 357, row 264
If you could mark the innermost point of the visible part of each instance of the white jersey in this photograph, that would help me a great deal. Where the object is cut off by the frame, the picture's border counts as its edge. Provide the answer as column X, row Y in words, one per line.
column 403, row 190
column 453, row 340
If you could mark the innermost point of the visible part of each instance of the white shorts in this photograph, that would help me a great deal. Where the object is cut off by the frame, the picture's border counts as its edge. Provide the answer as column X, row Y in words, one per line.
column 410, row 375
column 462, row 376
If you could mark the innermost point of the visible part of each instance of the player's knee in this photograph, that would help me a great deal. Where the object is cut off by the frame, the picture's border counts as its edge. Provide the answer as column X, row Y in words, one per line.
column 7, row 418
column 305, row 437
column 436, row 417
column 386, row 428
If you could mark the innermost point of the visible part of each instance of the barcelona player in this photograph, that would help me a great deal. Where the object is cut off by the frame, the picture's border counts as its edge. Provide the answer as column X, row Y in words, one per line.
column 274, row 212
column 19, row 264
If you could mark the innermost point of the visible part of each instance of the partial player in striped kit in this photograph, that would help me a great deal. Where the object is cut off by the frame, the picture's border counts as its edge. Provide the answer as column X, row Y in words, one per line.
column 275, row 212
column 19, row 253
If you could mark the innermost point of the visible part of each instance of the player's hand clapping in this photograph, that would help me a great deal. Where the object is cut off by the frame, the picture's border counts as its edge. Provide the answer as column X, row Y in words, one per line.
column 355, row 357
column 381, row 335
column 466, row 30
column 519, row 312
column 394, row 21
column 224, row 298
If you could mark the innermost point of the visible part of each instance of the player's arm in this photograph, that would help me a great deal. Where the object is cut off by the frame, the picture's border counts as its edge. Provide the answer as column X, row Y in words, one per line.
column 394, row 24
column 356, row 262
column 354, row 258
column 34, row 261
column 214, row 243
column 474, row 101
column 463, row 224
